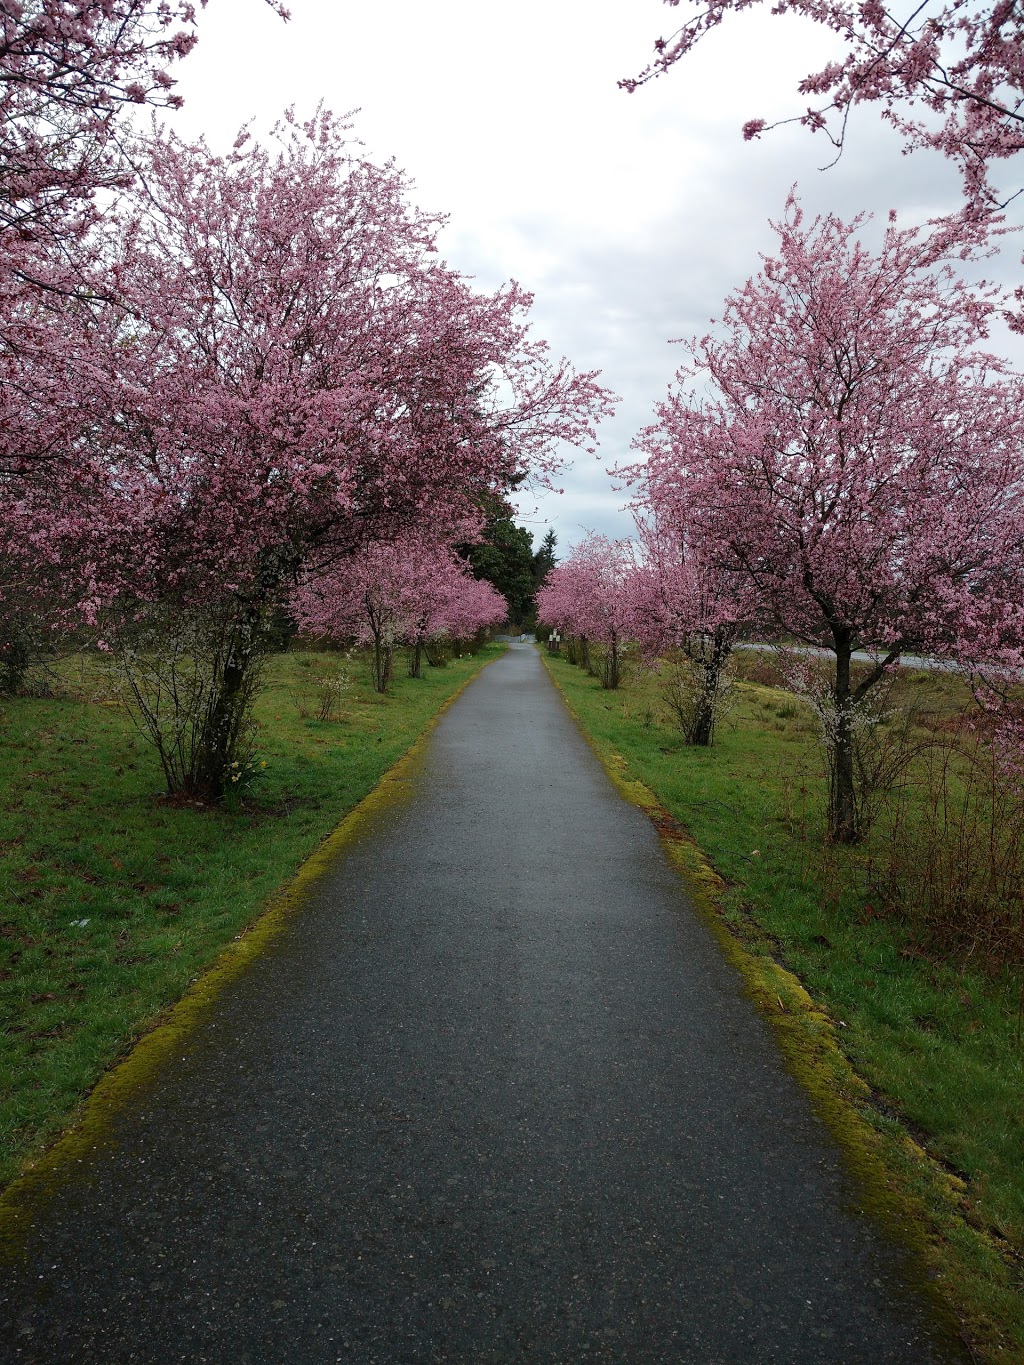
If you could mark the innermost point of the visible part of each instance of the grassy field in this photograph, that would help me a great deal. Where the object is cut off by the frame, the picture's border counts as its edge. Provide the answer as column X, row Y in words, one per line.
column 113, row 899
column 937, row 1041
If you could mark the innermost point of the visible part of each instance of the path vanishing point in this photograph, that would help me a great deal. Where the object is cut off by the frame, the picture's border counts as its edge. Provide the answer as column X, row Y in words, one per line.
column 494, row 1095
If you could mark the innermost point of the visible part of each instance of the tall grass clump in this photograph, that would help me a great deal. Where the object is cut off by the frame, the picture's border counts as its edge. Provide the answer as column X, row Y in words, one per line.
column 951, row 857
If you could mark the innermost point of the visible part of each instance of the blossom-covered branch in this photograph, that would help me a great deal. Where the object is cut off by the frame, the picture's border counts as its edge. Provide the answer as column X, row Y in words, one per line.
column 946, row 74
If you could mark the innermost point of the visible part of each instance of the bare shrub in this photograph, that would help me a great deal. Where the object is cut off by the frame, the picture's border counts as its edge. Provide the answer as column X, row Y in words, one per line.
column 760, row 666
column 697, row 697
column 26, row 664
column 952, row 861
column 329, row 688
column 605, row 662
column 878, row 735
column 189, row 677
column 29, row 649
column 473, row 644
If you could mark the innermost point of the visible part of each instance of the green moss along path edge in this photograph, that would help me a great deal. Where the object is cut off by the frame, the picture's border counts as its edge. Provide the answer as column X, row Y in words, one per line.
column 899, row 1184
column 121, row 1086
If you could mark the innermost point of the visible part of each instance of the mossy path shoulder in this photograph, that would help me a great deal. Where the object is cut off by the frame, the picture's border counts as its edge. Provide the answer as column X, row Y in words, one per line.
column 920, row 1197
column 116, row 901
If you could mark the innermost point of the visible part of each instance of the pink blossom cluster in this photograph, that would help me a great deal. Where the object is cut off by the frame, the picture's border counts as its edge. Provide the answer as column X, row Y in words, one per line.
column 273, row 368
column 856, row 471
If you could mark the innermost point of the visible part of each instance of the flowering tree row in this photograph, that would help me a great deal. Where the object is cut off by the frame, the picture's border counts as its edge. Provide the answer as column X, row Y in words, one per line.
column 271, row 369
column 659, row 592
column 840, row 463
column 857, row 463
column 588, row 598
column 412, row 590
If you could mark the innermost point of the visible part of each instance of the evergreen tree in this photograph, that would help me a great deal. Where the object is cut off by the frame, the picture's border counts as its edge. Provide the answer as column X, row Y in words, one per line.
column 544, row 560
column 506, row 559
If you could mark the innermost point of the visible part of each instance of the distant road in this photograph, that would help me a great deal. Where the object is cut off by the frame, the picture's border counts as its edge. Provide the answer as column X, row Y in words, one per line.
column 861, row 655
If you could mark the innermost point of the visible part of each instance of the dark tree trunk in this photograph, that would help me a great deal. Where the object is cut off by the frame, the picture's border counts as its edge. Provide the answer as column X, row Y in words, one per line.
column 842, row 812
column 703, row 734
column 382, row 660
column 228, row 713
column 711, row 656
column 15, row 658
column 610, row 672
column 383, row 649
column 416, row 660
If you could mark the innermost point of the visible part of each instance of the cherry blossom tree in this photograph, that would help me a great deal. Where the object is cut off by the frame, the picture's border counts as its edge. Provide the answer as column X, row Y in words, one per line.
column 946, row 75
column 288, row 372
column 685, row 599
column 68, row 74
column 858, row 459
column 295, row 353
column 368, row 600
column 561, row 604
column 587, row 597
column 473, row 606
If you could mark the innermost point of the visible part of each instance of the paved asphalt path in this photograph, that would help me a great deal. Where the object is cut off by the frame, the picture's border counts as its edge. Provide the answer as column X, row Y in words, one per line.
column 494, row 1096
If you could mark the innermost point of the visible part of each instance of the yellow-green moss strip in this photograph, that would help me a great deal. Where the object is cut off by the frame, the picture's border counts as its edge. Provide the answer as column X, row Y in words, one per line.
column 914, row 1198
column 121, row 1086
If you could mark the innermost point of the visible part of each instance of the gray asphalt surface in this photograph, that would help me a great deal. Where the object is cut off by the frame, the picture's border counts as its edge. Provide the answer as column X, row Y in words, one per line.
column 494, row 1096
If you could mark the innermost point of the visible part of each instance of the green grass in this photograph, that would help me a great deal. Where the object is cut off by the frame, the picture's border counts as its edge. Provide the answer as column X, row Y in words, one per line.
column 937, row 1042
column 112, row 899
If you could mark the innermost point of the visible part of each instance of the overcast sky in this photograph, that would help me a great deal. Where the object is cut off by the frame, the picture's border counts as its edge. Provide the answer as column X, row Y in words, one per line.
column 630, row 217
